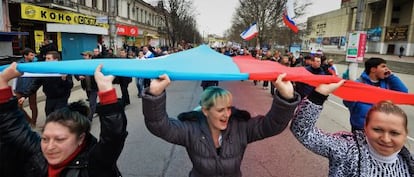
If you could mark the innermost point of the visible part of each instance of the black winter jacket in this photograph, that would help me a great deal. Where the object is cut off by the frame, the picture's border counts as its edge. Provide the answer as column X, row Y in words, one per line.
column 97, row 159
column 193, row 133
column 53, row 87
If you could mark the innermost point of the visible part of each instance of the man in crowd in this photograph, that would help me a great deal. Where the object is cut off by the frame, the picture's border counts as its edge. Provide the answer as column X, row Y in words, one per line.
column 377, row 74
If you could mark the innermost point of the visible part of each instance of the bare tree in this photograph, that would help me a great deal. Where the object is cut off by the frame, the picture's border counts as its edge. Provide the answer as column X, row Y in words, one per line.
column 179, row 21
column 268, row 16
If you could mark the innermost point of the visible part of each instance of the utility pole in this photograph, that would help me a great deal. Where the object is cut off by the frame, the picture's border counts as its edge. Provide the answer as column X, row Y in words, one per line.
column 353, row 66
column 111, row 21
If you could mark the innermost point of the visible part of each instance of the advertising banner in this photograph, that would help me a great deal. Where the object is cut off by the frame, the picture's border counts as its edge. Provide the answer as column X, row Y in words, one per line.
column 32, row 12
column 356, row 46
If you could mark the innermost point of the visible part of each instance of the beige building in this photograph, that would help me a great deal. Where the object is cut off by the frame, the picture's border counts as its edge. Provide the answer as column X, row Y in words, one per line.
column 389, row 25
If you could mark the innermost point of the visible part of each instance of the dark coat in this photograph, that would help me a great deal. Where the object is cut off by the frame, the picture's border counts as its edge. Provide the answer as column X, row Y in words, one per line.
column 193, row 133
column 53, row 87
column 97, row 159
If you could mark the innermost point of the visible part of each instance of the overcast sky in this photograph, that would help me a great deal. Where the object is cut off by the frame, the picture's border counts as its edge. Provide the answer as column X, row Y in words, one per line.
column 214, row 16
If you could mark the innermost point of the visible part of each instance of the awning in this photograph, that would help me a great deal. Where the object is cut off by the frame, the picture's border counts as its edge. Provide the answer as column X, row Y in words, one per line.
column 73, row 28
column 152, row 36
column 8, row 36
column 13, row 33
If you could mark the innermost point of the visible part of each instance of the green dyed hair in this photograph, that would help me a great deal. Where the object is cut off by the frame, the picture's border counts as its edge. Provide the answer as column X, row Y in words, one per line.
column 211, row 94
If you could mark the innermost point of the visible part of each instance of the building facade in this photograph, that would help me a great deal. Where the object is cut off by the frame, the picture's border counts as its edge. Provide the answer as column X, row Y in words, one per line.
column 78, row 25
column 389, row 25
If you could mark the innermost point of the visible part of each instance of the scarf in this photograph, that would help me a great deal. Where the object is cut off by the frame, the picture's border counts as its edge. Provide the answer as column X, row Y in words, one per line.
column 54, row 170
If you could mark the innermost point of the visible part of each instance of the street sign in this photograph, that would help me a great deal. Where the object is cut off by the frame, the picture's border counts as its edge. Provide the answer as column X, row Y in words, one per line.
column 356, row 46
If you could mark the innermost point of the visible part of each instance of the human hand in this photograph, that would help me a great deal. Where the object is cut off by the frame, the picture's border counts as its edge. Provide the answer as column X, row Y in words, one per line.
column 21, row 100
column 326, row 89
column 8, row 74
column 81, row 77
column 158, row 86
column 104, row 82
column 64, row 77
column 285, row 88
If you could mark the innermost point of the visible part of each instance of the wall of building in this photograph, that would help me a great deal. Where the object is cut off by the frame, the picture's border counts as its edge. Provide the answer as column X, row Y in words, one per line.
column 340, row 22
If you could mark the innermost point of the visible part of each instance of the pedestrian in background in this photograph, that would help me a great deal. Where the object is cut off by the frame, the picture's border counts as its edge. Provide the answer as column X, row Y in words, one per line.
column 89, row 85
column 22, row 87
column 139, row 80
column 315, row 68
column 377, row 150
column 377, row 74
column 401, row 51
column 332, row 67
column 124, row 81
column 65, row 148
column 56, row 89
column 217, row 136
column 46, row 47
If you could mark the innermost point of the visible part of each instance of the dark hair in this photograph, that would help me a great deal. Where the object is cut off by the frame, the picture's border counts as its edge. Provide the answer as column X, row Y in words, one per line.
column 74, row 116
column 373, row 63
column 54, row 54
column 26, row 51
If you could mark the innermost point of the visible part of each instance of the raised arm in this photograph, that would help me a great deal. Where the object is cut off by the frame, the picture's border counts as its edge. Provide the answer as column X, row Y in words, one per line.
column 279, row 115
column 14, row 129
column 112, row 119
column 304, row 129
column 156, row 117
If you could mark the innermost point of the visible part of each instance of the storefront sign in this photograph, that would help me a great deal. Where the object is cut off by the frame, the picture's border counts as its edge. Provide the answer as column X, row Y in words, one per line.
column 125, row 30
column 356, row 46
column 396, row 33
column 32, row 12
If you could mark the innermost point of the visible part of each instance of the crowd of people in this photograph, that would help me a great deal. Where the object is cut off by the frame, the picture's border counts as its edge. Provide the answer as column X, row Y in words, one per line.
column 215, row 135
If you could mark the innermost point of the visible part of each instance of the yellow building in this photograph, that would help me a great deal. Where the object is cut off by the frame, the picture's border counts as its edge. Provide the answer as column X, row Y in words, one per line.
column 389, row 25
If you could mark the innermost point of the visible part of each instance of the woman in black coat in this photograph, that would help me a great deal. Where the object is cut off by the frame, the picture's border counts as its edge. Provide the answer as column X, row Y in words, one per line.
column 65, row 147
column 217, row 136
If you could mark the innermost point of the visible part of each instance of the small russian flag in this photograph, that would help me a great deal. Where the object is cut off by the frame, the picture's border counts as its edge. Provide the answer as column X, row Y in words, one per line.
column 288, row 14
column 250, row 32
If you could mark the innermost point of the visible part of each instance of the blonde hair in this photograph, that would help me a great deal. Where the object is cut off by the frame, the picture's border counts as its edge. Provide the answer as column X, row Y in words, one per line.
column 389, row 108
column 211, row 94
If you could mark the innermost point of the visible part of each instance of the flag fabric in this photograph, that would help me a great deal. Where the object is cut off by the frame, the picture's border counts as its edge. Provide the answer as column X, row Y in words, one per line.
column 288, row 14
column 203, row 63
column 250, row 32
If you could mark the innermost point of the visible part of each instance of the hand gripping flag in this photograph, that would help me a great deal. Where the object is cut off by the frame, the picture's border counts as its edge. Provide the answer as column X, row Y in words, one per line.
column 250, row 32
column 288, row 14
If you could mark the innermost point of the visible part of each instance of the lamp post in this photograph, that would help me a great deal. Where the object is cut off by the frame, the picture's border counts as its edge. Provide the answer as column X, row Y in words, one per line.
column 353, row 66
column 111, row 21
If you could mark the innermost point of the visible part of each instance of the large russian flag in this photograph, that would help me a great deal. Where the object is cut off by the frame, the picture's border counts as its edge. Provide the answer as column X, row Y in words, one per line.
column 288, row 14
column 250, row 32
column 203, row 63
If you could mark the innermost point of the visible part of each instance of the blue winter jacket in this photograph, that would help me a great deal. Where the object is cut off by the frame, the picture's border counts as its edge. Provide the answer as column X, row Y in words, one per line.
column 359, row 110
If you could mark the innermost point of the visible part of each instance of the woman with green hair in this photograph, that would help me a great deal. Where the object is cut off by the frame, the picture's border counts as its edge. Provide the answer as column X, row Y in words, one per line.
column 216, row 136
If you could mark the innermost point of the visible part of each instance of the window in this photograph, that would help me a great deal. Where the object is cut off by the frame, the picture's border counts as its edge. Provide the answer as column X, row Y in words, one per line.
column 105, row 5
column 81, row 2
column 128, row 10
column 94, row 4
column 141, row 16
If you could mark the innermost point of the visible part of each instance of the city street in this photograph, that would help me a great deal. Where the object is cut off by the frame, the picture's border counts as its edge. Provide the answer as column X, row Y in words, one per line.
column 145, row 155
